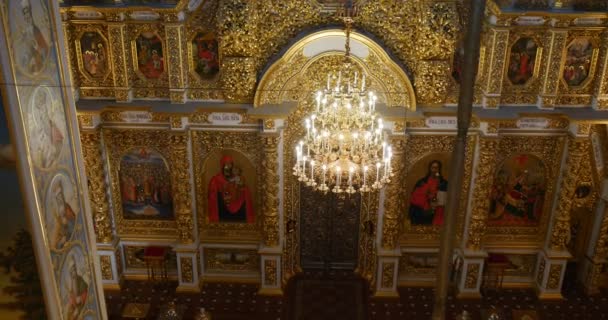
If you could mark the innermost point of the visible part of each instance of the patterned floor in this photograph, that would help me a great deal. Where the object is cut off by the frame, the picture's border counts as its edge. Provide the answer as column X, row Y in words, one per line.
column 311, row 297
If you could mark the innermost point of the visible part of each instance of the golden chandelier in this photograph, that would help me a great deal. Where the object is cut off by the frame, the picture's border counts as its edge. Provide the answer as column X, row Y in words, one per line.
column 345, row 147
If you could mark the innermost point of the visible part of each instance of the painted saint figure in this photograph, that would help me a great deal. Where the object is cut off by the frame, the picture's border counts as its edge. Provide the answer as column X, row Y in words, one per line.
column 516, row 198
column 32, row 47
column 229, row 197
column 429, row 196
column 48, row 134
column 78, row 290
column 65, row 218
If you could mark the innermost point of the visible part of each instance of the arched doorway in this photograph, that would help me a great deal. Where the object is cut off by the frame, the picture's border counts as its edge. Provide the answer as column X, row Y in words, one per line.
column 292, row 80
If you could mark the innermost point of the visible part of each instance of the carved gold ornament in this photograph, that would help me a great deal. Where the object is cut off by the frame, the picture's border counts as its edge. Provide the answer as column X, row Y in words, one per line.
column 94, row 166
column 471, row 276
column 388, row 272
column 106, row 267
column 186, row 269
column 225, row 260
column 270, row 272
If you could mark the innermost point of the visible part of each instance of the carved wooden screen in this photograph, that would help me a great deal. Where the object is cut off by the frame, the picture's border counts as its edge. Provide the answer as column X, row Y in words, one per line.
column 329, row 235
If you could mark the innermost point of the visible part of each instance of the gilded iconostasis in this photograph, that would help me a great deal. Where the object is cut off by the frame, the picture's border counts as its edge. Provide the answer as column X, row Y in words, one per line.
column 189, row 113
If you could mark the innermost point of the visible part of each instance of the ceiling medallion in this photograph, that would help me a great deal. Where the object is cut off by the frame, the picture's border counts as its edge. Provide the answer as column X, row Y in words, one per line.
column 345, row 148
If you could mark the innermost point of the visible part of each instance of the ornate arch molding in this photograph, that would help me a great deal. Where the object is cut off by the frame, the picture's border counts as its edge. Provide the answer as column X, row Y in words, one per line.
column 287, row 78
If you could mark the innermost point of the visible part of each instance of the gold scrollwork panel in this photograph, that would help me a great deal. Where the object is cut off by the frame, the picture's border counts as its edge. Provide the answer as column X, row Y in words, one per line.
column 187, row 272
column 488, row 148
column 270, row 190
column 106, row 267
column 388, row 273
column 246, row 143
column 270, row 272
column 438, row 31
column 117, row 35
column 472, row 275
column 94, row 167
column 555, row 274
column 224, row 260
column 394, row 204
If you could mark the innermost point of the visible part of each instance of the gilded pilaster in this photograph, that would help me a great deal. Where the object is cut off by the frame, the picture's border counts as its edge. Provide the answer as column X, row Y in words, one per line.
column 555, row 43
column 181, row 186
column 117, row 31
column 496, row 51
column 270, row 191
column 600, row 100
column 177, row 63
column 488, row 148
column 93, row 161
column 578, row 151
column 394, row 201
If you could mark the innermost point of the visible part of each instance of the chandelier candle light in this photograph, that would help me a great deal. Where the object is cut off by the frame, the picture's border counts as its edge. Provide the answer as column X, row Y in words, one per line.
column 345, row 141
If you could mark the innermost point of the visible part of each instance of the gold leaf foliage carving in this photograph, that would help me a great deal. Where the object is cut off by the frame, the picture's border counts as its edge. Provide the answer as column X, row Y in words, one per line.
column 270, row 272
column 472, row 275
column 388, row 272
column 106, row 267
column 394, row 203
column 432, row 80
column 488, row 148
column 185, row 264
column 438, row 32
column 555, row 275
column 270, row 191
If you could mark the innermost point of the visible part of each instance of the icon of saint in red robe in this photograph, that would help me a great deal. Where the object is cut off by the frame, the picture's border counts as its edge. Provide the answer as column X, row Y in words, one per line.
column 229, row 197
column 427, row 202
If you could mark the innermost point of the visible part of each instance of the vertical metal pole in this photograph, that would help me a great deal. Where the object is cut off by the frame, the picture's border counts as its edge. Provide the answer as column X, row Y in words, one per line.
column 465, row 106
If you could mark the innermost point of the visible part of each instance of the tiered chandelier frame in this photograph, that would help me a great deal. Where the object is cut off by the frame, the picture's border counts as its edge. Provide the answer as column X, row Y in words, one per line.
column 345, row 148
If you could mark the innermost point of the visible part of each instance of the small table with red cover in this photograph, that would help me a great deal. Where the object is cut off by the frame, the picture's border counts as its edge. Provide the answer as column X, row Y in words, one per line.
column 156, row 262
column 494, row 272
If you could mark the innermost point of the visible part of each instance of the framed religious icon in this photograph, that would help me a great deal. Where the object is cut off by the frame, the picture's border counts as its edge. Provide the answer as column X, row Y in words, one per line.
column 518, row 194
column 204, row 59
column 427, row 188
column 522, row 60
column 231, row 181
column 150, row 55
column 94, row 58
column 145, row 185
column 578, row 61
